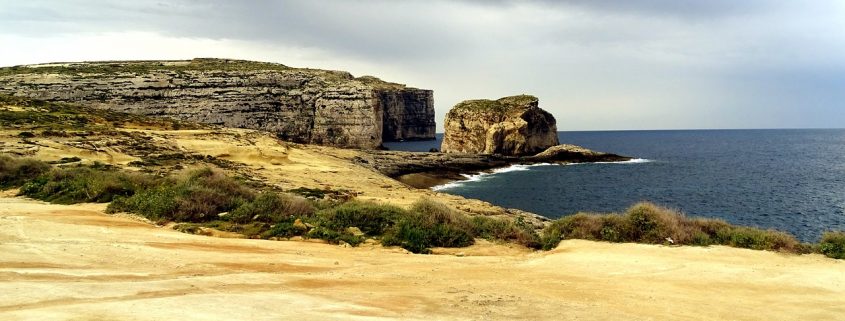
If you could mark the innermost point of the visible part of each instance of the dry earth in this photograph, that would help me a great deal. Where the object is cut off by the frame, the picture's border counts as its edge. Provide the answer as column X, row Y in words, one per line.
column 76, row 263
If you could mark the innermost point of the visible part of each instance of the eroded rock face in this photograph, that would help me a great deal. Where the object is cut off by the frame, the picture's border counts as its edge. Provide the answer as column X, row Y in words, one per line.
column 300, row 105
column 509, row 126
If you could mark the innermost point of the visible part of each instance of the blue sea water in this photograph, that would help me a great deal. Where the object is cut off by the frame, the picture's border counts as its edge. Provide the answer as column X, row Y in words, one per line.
column 790, row 180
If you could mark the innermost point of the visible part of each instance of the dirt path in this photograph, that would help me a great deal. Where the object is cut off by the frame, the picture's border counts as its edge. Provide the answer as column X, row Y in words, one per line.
column 74, row 262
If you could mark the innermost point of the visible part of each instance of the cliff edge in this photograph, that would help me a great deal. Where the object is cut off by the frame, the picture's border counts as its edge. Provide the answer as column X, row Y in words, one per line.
column 300, row 105
column 509, row 126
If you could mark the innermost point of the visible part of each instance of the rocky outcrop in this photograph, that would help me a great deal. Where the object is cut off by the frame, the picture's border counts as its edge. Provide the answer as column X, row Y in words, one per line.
column 300, row 105
column 508, row 126
column 423, row 170
column 566, row 153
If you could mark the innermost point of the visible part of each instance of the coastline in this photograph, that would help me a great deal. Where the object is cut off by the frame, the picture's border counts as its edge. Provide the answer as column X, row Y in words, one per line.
column 424, row 170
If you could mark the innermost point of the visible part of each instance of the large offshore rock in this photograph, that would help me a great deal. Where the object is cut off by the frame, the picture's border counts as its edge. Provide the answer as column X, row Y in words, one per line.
column 300, row 105
column 509, row 126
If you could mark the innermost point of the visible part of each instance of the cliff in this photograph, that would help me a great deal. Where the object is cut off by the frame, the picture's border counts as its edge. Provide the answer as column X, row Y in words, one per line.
column 508, row 126
column 300, row 105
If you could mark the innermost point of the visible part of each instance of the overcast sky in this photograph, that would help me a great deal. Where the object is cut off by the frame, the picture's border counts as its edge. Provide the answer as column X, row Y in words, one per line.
column 595, row 64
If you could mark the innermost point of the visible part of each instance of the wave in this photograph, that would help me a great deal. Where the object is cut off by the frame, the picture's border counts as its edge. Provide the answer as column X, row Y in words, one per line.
column 632, row 161
column 484, row 175
column 517, row 168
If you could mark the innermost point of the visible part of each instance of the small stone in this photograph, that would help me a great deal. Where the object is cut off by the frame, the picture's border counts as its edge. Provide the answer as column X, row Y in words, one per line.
column 299, row 225
column 354, row 231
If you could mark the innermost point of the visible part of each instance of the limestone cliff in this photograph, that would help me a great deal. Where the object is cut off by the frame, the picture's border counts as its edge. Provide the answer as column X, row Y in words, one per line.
column 299, row 105
column 508, row 126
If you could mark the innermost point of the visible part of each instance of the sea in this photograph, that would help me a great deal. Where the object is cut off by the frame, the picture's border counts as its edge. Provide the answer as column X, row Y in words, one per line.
column 791, row 180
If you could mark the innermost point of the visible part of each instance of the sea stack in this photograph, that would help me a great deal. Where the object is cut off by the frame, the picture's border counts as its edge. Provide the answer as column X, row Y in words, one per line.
column 508, row 126
column 300, row 105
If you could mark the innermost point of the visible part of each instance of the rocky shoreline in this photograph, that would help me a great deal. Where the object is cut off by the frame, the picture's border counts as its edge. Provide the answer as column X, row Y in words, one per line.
column 428, row 169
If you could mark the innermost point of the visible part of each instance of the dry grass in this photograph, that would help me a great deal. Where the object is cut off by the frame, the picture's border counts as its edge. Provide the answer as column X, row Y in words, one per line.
column 652, row 224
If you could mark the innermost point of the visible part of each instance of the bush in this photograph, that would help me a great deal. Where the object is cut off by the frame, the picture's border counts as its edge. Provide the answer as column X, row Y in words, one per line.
column 195, row 196
column 833, row 245
column 272, row 207
column 517, row 231
column 84, row 184
column 756, row 239
column 371, row 218
column 14, row 172
column 648, row 223
column 284, row 229
column 335, row 236
column 429, row 224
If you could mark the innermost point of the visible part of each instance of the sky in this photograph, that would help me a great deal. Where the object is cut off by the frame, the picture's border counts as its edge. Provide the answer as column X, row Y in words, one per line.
column 594, row 64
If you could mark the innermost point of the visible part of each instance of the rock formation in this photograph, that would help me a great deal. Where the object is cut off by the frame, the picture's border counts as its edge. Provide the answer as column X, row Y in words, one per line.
column 508, row 126
column 299, row 105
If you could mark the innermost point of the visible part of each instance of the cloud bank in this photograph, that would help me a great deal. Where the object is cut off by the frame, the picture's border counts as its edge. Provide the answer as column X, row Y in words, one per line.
column 600, row 64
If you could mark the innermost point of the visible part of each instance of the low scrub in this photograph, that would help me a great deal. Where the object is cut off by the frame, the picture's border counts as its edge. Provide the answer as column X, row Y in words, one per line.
column 78, row 184
column 271, row 207
column 195, row 196
column 430, row 224
column 14, row 171
column 833, row 245
column 649, row 223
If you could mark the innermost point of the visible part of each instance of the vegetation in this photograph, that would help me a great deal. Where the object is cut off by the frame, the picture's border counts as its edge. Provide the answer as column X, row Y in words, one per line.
column 833, row 245
column 78, row 184
column 55, row 118
column 195, row 196
column 500, row 106
column 648, row 223
column 206, row 198
column 17, row 171
column 117, row 67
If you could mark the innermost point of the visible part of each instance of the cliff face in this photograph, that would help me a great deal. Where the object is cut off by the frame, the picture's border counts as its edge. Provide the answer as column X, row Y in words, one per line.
column 300, row 105
column 508, row 126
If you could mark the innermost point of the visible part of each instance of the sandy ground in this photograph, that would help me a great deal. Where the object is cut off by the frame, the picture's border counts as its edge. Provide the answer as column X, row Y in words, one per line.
column 76, row 263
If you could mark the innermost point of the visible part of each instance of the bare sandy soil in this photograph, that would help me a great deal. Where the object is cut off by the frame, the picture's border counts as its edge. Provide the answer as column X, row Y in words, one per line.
column 74, row 262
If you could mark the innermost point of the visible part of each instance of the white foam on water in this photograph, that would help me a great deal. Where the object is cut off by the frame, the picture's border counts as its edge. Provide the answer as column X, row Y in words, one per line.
column 484, row 175
column 632, row 161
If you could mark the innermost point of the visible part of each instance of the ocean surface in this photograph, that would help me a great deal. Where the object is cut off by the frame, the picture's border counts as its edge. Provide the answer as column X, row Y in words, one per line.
column 790, row 180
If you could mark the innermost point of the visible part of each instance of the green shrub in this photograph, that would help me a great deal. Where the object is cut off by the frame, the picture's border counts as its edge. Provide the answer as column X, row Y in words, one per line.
column 833, row 245
column 79, row 184
column 196, row 196
column 14, row 172
column 272, row 207
column 334, row 236
column 648, row 223
column 517, row 231
column 284, row 229
column 653, row 224
column 370, row 218
column 429, row 224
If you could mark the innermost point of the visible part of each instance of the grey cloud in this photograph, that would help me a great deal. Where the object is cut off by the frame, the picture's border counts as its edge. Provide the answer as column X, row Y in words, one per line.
column 595, row 64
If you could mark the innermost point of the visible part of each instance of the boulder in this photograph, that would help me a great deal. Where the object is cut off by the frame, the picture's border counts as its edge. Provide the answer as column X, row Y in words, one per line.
column 508, row 126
